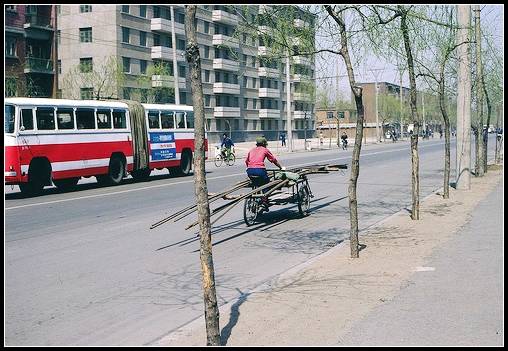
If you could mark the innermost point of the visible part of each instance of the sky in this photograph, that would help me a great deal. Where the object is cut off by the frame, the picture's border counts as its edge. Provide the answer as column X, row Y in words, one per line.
column 327, row 64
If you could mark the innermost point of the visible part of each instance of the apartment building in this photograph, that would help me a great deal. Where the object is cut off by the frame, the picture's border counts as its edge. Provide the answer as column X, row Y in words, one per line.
column 245, row 94
column 327, row 118
column 29, row 50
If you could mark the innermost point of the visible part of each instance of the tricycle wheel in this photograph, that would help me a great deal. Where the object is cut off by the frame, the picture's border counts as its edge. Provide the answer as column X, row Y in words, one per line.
column 303, row 200
column 250, row 210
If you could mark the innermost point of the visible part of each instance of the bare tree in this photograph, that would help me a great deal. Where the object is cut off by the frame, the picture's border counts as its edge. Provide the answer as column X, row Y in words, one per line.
column 480, row 133
column 205, row 250
column 104, row 79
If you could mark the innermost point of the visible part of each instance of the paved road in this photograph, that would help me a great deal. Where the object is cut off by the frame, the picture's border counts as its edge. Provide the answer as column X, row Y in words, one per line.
column 82, row 268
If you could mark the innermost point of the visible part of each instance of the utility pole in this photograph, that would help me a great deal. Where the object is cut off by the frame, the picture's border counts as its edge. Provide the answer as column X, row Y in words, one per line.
column 175, row 64
column 305, row 131
column 401, row 108
column 378, row 135
column 55, row 51
column 288, row 106
column 463, row 168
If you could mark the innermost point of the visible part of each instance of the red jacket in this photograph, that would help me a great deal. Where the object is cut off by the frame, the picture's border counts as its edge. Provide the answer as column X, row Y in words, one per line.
column 256, row 157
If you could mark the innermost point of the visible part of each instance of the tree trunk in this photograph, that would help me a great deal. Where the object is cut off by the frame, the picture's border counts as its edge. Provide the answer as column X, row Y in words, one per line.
column 489, row 114
column 415, row 181
column 201, row 190
column 355, row 160
column 479, row 93
column 442, row 106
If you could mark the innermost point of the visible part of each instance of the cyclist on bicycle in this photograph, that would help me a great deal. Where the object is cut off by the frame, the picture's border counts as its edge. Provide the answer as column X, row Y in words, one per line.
column 344, row 140
column 226, row 145
column 255, row 163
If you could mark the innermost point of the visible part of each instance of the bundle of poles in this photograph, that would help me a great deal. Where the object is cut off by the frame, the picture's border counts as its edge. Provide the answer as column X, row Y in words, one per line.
column 273, row 185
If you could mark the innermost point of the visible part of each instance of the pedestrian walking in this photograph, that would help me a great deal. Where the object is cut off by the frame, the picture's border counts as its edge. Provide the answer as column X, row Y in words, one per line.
column 283, row 139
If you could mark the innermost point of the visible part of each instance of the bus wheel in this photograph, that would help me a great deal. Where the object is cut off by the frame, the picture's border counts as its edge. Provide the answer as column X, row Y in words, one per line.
column 116, row 170
column 115, row 173
column 141, row 174
column 186, row 162
column 66, row 184
column 31, row 188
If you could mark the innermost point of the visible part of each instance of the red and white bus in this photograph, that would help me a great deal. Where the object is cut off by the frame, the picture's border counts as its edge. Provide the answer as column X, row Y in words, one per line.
column 59, row 141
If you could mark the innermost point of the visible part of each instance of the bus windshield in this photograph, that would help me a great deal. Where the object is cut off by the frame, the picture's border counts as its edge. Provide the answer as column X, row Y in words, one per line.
column 9, row 118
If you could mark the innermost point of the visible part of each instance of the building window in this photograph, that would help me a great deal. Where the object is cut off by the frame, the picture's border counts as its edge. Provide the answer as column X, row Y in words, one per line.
column 86, row 93
column 245, row 82
column 85, row 35
column 207, row 76
column 142, row 38
column 180, row 44
column 59, row 9
column 126, row 61
column 329, row 115
column 85, row 8
column 167, row 41
column 207, row 27
column 156, row 40
column 142, row 66
column 10, row 46
column 245, row 103
column 180, row 17
column 10, row 8
column 125, row 35
column 207, row 100
column 207, row 51
column 181, row 71
column 254, row 83
column 142, row 11
column 85, row 65
column 156, row 12
column 183, row 98
column 125, row 8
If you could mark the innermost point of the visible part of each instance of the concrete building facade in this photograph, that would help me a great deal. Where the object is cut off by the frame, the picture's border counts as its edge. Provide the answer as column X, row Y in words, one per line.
column 29, row 50
column 245, row 95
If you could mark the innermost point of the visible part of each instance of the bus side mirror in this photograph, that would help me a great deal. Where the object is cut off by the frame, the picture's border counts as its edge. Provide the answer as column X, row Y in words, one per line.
column 22, row 128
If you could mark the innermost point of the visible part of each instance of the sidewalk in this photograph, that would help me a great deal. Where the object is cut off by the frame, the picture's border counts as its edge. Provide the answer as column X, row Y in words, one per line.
column 436, row 281
column 313, row 144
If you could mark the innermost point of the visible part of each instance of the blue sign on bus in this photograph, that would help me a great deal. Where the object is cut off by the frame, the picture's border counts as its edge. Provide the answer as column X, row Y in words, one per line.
column 162, row 145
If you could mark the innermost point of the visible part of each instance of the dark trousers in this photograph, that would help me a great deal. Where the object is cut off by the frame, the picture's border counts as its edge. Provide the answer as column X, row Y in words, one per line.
column 259, row 172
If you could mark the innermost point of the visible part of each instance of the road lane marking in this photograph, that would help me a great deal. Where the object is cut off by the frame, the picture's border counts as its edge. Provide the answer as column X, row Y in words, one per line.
column 191, row 181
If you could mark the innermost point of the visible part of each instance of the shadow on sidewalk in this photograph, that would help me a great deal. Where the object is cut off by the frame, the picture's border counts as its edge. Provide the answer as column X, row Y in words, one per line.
column 233, row 318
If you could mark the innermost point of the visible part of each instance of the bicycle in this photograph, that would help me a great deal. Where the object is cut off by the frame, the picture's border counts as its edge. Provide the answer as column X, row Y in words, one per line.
column 228, row 159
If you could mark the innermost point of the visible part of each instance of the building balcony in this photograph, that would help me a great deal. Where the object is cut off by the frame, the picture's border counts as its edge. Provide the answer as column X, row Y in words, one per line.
column 264, row 51
column 302, row 60
column 269, row 93
column 222, row 111
column 269, row 113
column 298, row 77
column 226, row 88
column 224, row 17
column 268, row 72
column 166, row 81
column 221, row 39
column 302, row 114
column 298, row 96
column 38, row 65
column 163, row 25
column 38, row 22
column 226, row 65
column 165, row 53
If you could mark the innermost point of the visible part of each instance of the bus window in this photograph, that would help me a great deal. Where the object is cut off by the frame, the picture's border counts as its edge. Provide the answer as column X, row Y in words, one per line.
column 85, row 118
column 45, row 117
column 167, row 120
column 9, row 118
column 27, row 119
column 189, row 118
column 119, row 119
column 65, row 118
column 153, row 119
column 180, row 119
column 104, row 119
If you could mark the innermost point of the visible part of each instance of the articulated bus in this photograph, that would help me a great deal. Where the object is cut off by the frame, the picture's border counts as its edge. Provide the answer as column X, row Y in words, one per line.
column 59, row 141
